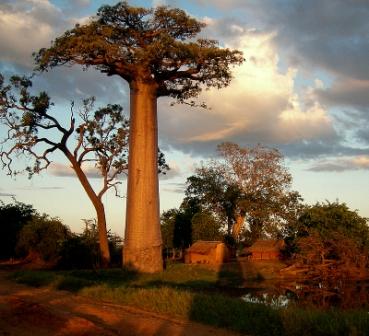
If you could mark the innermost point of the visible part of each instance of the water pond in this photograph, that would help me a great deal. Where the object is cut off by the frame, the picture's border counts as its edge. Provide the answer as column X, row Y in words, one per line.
column 343, row 294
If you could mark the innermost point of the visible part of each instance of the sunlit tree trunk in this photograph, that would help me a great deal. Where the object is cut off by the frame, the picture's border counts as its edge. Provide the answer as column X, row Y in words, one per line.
column 99, row 208
column 142, row 241
column 237, row 226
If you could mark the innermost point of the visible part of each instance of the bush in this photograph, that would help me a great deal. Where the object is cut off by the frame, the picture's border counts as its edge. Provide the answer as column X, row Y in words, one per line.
column 43, row 236
column 76, row 253
column 13, row 217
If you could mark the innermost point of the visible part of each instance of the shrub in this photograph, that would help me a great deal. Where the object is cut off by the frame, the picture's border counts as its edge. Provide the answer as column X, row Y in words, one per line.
column 43, row 236
column 13, row 217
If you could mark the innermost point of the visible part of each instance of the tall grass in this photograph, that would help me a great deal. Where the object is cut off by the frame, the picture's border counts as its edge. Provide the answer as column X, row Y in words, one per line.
column 190, row 293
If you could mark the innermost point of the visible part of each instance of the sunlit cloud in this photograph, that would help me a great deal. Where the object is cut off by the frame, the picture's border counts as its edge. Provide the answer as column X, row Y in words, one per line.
column 259, row 106
column 62, row 170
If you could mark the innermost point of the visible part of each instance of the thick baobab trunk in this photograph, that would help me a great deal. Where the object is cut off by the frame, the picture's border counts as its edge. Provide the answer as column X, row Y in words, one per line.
column 142, row 241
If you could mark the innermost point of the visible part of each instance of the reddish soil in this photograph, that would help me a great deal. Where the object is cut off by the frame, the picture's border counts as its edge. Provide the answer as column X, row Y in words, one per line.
column 42, row 311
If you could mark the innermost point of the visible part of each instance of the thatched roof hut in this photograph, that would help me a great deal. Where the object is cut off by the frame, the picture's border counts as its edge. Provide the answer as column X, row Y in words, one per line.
column 207, row 252
column 268, row 249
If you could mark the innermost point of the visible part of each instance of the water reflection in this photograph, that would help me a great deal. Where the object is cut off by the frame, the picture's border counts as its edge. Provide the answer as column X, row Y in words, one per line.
column 340, row 294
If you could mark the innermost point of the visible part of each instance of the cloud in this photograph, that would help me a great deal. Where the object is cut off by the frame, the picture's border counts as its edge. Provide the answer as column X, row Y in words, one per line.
column 174, row 187
column 26, row 26
column 5, row 194
column 40, row 188
column 173, row 172
column 259, row 106
column 331, row 35
column 342, row 164
column 62, row 170
column 346, row 92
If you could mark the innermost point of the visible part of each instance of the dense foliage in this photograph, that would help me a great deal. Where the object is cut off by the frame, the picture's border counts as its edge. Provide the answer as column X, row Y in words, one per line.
column 13, row 217
column 330, row 239
column 42, row 237
column 154, row 45
column 42, row 241
column 181, row 227
column 249, row 188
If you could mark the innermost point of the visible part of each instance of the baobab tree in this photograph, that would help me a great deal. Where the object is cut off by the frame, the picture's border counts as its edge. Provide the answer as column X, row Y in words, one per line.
column 154, row 50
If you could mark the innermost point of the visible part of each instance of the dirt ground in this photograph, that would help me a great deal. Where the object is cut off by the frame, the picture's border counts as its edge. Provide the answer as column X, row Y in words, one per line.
column 41, row 311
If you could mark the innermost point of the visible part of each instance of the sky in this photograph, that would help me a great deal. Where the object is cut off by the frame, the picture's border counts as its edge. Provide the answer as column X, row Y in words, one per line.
column 303, row 89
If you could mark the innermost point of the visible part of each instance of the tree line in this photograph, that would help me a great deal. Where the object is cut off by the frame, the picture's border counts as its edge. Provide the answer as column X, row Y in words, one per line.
column 245, row 194
column 30, row 237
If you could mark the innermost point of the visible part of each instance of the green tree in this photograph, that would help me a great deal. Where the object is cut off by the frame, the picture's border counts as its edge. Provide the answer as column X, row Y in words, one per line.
column 210, row 187
column 13, row 216
column 43, row 237
column 206, row 227
column 168, row 221
column 155, row 51
column 330, row 218
column 331, row 239
column 247, row 185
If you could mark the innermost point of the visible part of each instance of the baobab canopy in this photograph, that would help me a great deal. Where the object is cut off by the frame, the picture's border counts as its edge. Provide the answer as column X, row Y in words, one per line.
column 146, row 44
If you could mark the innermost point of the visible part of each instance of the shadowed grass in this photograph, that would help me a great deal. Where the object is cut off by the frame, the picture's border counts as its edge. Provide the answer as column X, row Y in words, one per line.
column 190, row 292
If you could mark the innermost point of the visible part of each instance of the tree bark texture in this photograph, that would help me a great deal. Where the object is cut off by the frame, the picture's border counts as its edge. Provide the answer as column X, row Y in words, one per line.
column 142, row 242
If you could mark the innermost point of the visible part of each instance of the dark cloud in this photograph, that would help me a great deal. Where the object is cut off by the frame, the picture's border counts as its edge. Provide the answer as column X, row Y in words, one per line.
column 332, row 34
column 346, row 92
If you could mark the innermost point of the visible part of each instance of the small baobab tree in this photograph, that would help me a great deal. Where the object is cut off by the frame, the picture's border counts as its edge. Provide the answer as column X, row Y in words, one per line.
column 155, row 51
column 92, row 137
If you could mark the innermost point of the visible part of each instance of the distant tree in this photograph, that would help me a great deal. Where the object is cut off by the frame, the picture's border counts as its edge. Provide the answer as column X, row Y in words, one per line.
column 148, row 49
column 247, row 185
column 211, row 188
column 329, row 218
column 168, row 222
column 92, row 137
column 182, row 235
column 206, row 227
column 42, row 237
column 13, row 216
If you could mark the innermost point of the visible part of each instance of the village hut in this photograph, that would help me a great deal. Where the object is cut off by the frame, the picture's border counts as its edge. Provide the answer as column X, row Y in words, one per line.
column 266, row 250
column 207, row 252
